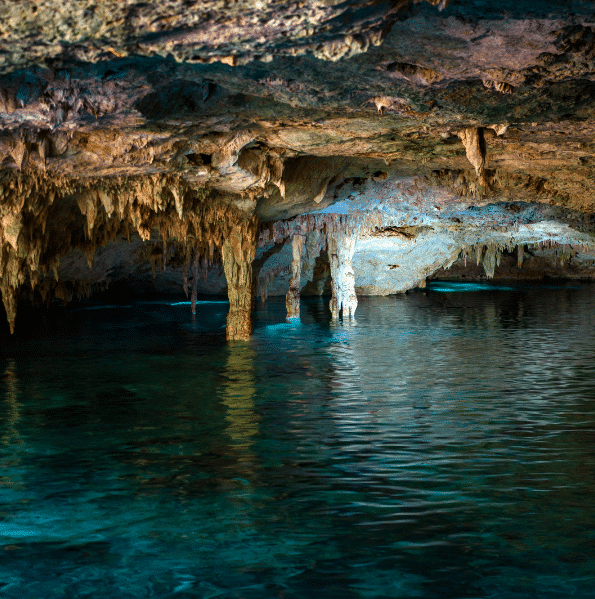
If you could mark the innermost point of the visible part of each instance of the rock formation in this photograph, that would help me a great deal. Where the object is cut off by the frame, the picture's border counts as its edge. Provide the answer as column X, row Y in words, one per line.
column 292, row 299
column 344, row 299
column 316, row 147
column 238, row 251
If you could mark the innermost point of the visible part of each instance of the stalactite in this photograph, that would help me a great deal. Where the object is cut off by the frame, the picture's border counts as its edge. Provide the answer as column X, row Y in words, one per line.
column 489, row 260
column 341, row 249
column 292, row 299
column 185, row 278
column 520, row 254
column 195, row 267
column 263, row 291
column 10, row 304
column 265, row 281
column 475, row 148
column 43, row 218
column 238, row 251
column 478, row 252
column 204, row 266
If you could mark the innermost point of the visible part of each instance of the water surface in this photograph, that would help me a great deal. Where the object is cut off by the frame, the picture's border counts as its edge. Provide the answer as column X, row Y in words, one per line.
column 439, row 446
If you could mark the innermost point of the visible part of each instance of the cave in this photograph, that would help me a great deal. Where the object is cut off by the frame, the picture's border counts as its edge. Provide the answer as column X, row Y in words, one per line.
column 244, row 203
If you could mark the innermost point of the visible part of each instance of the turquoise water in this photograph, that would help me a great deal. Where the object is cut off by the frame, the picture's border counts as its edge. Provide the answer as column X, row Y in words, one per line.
column 440, row 446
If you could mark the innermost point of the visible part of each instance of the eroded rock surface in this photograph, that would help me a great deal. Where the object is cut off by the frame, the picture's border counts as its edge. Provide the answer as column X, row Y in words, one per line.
column 424, row 132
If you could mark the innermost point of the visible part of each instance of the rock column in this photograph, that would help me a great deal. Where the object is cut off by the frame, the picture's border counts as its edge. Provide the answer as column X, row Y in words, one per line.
column 238, row 251
column 292, row 299
column 341, row 248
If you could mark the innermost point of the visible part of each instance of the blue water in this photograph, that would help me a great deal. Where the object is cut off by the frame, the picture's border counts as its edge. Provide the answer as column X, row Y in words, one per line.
column 441, row 445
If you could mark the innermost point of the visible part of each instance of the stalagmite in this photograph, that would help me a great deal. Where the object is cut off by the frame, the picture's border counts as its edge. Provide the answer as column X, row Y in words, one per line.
column 292, row 299
column 238, row 251
column 341, row 249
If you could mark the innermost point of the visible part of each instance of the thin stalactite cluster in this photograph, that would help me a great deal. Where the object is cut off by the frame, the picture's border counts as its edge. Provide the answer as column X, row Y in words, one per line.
column 44, row 219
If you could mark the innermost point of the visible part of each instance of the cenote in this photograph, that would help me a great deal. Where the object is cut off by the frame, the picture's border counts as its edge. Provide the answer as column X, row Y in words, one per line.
column 439, row 445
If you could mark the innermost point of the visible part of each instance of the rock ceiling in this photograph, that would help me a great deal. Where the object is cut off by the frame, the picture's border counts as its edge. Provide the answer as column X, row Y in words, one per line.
column 430, row 126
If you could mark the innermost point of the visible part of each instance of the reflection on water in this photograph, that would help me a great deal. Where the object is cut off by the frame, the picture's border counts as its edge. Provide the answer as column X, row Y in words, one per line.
column 10, row 439
column 441, row 446
column 10, row 414
column 238, row 394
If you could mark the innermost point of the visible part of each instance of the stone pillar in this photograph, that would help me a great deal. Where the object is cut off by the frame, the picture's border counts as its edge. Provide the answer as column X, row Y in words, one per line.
column 238, row 251
column 292, row 299
column 341, row 248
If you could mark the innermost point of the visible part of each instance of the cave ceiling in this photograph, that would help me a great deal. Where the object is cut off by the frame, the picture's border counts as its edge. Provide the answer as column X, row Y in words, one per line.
column 125, row 116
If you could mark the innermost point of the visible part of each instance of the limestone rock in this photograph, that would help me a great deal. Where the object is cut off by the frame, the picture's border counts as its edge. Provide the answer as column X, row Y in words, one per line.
column 180, row 124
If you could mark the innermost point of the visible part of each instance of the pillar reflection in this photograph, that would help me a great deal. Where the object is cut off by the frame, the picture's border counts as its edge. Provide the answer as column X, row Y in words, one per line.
column 10, row 438
column 238, row 394
column 347, row 380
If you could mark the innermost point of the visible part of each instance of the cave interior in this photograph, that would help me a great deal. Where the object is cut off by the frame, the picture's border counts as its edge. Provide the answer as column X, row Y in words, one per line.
column 289, row 148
